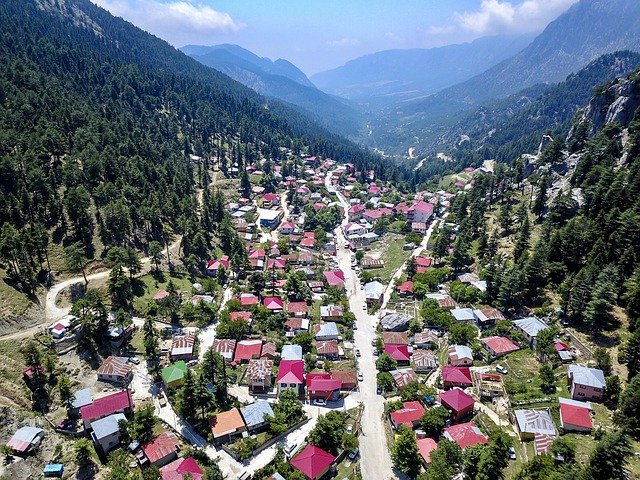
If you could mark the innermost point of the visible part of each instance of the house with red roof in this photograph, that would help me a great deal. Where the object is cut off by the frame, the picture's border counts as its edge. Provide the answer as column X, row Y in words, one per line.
column 241, row 315
column 420, row 212
column 426, row 445
column 355, row 212
column 287, row 228
column 403, row 377
column 214, row 265
column 422, row 263
column 395, row 338
column 400, row 353
column 120, row 402
column 248, row 300
column 334, row 278
column 405, row 288
column 347, row 378
column 225, row 426
column 324, row 388
column 291, row 376
column 575, row 416
column 161, row 450
column 115, row 369
column 499, row 346
column 419, row 227
column 225, row 347
column 409, row 415
column 270, row 200
column 313, row 462
column 328, row 349
column 297, row 309
column 277, row 264
column 182, row 468
column 456, row 377
column 246, row 350
column 307, row 242
column 465, row 435
column 459, row 403
column 274, row 304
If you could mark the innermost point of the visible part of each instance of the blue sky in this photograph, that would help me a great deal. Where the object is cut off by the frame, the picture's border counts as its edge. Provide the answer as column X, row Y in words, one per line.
column 320, row 34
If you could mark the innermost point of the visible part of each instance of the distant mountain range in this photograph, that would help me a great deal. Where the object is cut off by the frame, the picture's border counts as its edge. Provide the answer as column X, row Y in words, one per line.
column 393, row 76
column 279, row 79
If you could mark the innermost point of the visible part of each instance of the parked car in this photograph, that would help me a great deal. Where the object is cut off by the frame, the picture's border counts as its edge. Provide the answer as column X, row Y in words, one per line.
column 364, row 307
column 353, row 454
column 512, row 453
column 192, row 363
column 357, row 352
column 349, row 428
column 134, row 360
column 354, row 326
column 501, row 369
column 360, row 377
column 319, row 402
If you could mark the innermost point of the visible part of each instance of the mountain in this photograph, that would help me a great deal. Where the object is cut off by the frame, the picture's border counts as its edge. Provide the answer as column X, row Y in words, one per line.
column 281, row 80
column 587, row 30
column 393, row 76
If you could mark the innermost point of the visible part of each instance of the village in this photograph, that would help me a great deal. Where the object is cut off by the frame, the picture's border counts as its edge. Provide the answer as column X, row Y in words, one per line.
column 342, row 347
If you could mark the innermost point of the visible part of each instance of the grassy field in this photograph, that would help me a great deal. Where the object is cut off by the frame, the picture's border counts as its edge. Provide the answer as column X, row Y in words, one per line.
column 390, row 249
column 523, row 381
column 147, row 286
column 13, row 392
column 14, row 302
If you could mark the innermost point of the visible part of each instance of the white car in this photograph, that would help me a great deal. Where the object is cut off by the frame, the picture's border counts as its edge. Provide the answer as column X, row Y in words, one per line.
column 349, row 428
column 501, row 369
column 320, row 402
column 360, row 377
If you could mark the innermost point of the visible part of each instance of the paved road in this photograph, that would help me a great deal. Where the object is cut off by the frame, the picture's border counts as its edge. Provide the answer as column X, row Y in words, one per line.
column 375, row 461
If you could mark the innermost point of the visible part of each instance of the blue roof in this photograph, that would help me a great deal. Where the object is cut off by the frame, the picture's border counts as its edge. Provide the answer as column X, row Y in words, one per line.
column 82, row 397
column 254, row 413
column 53, row 468
column 107, row 426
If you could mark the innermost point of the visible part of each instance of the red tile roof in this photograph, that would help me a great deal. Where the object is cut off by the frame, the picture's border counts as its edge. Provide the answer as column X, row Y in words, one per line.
column 307, row 242
column 248, row 299
column 347, row 377
column 410, row 413
column 456, row 400
column 160, row 447
column 312, row 461
column 178, row 469
column 423, row 261
column 327, row 347
column 500, row 345
column 395, row 338
column 575, row 415
column 425, row 447
column 465, row 434
column 104, row 406
column 291, row 371
column 334, row 277
column 406, row 287
column 297, row 307
column 424, row 207
column 457, row 375
column 399, row 353
column 246, row 316
column 247, row 349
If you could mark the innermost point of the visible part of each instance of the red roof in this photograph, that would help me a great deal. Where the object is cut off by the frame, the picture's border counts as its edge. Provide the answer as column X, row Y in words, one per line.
column 575, row 415
column 160, row 447
column 500, row 345
column 423, row 261
column 400, row 353
column 561, row 346
column 248, row 299
column 297, row 307
column 247, row 349
column 312, row 461
column 423, row 206
column 257, row 253
column 323, row 384
column 270, row 197
column 277, row 263
column 425, row 447
column 307, row 242
column 457, row 375
column 273, row 303
column 410, row 413
column 465, row 434
column 406, row 287
column 177, row 469
column 334, row 277
column 315, row 376
column 456, row 400
column 105, row 406
column 291, row 371
column 246, row 316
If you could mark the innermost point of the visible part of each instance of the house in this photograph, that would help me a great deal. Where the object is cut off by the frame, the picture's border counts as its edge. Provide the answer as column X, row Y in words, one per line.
column 307, row 242
column 291, row 352
column 115, row 369
column 316, row 286
column 80, row 399
column 487, row 317
column 400, row 353
column 373, row 292
column 259, row 375
column 459, row 403
column 173, row 375
column 120, row 402
column 214, row 265
column 534, row 422
column 296, row 325
column 456, row 377
column 328, row 349
column 246, row 350
column 409, row 415
column 313, row 462
column 426, row 445
column 395, row 322
column 428, row 339
column 298, row 309
column 422, row 263
column 241, row 315
column 226, row 426
column 459, row 355
column 575, row 416
column 182, row 468
column 347, row 378
column 161, row 450
column 529, row 328
column 324, row 388
column 334, row 278
column 273, row 304
column 424, row 361
column 269, row 350
column 446, row 302
column 105, row 432
column 420, row 212
column 465, row 435
column 182, row 347
column 269, row 219
column 418, row 227
column 255, row 414
column 291, row 376
column 270, row 200
column 287, row 228
column 499, row 346
column 26, row 439
column 355, row 212
column 463, row 315
column 276, row 265
column 489, row 385
column 326, row 331
column 330, row 313
column 248, row 300
column 405, row 289
column 565, row 353
column 117, row 335
column 225, row 347
column 403, row 377
column 395, row 338
column 586, row 383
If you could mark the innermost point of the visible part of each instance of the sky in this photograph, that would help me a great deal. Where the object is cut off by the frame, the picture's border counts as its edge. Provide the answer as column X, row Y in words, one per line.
column 318, row 35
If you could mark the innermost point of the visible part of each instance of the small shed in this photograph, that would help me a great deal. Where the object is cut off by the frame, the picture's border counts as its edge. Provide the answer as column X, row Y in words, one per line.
column 53, row 470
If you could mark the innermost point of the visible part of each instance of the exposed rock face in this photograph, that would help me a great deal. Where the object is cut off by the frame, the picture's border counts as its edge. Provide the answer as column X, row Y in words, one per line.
column 616, row 104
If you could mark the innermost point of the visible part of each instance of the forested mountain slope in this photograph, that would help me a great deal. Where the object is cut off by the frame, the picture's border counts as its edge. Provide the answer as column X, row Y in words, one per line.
column 97, row 122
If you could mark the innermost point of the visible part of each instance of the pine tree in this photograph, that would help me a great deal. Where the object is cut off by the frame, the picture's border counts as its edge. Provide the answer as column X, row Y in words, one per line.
column 599, row 310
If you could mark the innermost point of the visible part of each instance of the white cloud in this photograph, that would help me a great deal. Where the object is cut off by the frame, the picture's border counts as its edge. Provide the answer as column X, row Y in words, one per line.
column 166, row 18
column 344, row 42
column 496, row 16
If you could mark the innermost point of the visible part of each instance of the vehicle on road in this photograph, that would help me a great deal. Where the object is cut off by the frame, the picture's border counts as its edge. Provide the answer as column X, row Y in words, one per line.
column 360, row 377
column 357, row 352
column 364, row 307
column 353, row 454
column 354, row 326
column 501, row 369
column 320, row 402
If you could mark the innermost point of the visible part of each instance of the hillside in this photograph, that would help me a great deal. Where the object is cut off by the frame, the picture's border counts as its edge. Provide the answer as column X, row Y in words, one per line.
column 281, row 80
column 394, row 76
